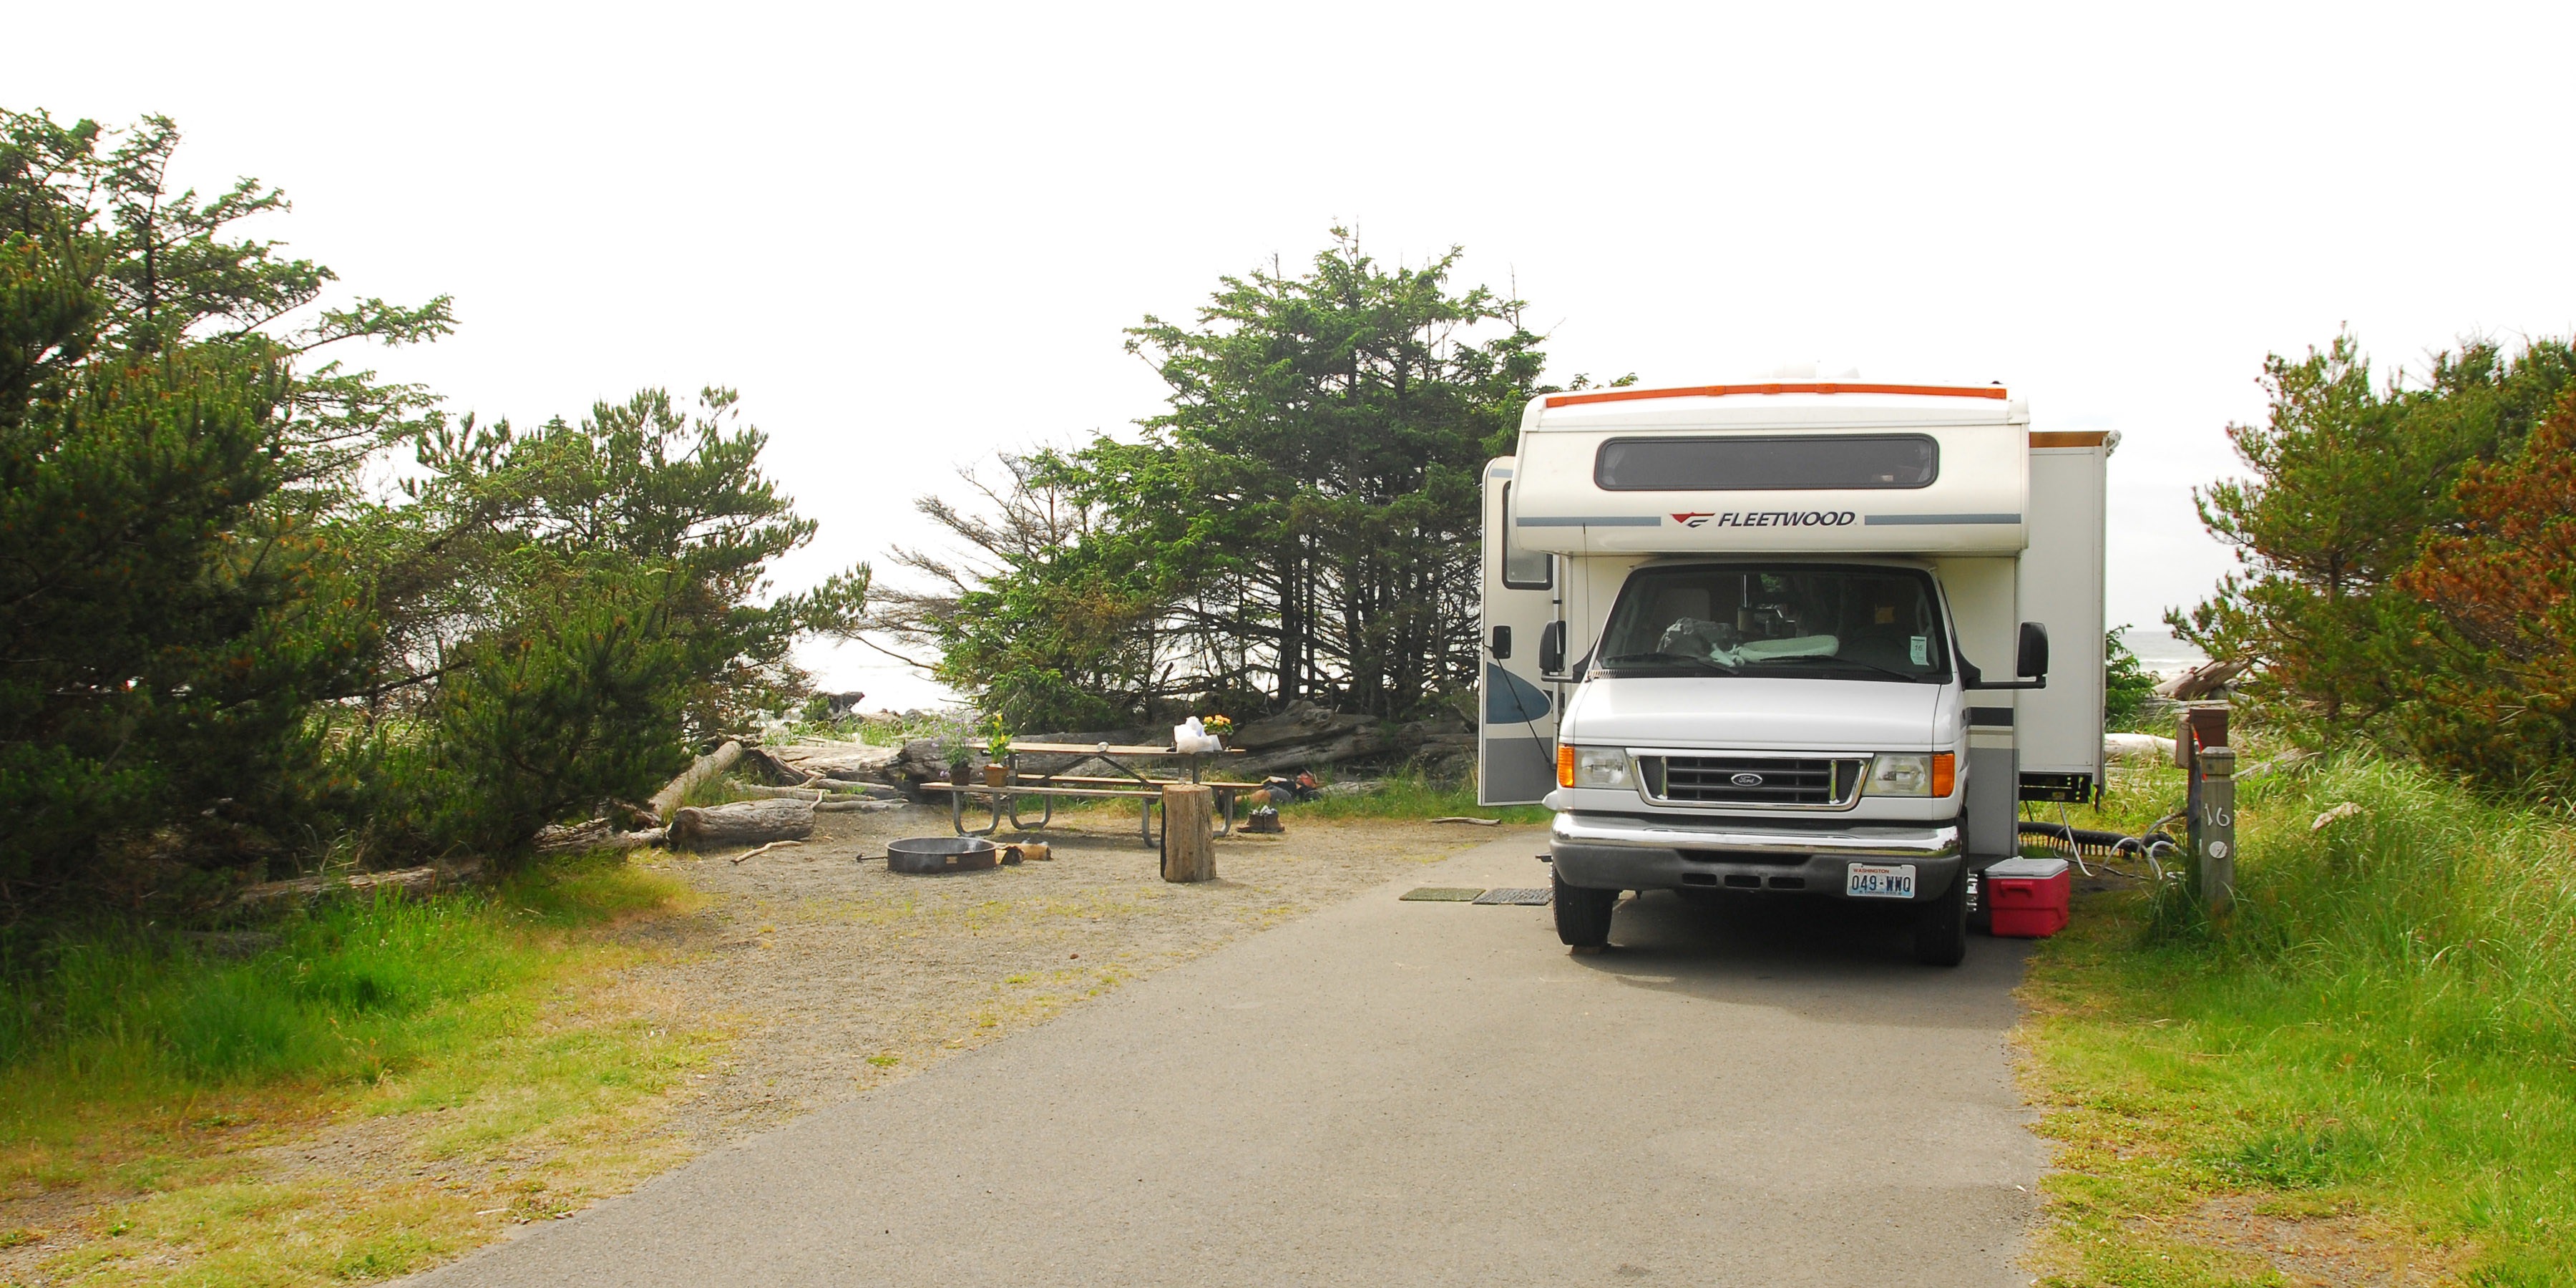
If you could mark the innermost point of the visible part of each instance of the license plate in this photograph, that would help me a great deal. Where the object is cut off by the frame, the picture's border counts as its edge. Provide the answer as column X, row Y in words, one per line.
column 1879, row 881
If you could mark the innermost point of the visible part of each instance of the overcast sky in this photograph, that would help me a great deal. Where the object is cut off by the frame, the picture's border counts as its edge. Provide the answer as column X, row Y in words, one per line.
column 910, row 234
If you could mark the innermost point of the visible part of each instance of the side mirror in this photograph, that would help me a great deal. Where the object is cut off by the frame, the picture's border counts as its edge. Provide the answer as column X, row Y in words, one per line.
column 1501, row 645
column 1551, row 649
column 2032, row 661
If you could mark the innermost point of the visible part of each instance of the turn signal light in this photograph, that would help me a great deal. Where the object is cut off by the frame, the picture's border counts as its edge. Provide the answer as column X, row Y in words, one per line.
column 1565, row 764
column 1945, row 771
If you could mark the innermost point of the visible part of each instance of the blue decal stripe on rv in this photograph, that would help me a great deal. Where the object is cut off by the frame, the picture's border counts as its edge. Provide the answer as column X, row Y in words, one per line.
column 1591, row 521
column 1920, row 519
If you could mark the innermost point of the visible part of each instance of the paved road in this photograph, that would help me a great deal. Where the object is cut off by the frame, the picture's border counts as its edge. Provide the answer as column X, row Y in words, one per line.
column 1404, row 1093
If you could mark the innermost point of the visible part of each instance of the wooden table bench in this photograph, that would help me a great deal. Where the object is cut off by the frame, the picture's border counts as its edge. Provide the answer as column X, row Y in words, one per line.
column 1004, row 801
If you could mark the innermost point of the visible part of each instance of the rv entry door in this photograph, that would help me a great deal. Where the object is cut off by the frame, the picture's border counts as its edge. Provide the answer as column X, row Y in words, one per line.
column 1516, row 708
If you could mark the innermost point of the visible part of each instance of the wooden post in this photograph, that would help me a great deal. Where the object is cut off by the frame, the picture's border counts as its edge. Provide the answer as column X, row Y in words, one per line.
column 2213, row 829
column 1189, row 833
column 2209, row 802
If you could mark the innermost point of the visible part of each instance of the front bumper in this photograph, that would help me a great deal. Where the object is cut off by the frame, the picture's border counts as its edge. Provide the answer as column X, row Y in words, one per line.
column 1626, row 852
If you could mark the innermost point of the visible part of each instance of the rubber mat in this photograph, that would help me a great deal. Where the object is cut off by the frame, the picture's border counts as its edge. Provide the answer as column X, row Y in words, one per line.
column 1535, row 897
column 1441, row 894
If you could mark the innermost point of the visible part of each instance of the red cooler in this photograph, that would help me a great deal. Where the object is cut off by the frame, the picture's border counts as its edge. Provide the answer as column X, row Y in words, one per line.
column 2028, row 898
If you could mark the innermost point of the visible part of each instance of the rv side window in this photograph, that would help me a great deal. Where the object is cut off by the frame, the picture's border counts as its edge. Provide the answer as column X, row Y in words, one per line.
column 1736, row 463
column 1523, row 569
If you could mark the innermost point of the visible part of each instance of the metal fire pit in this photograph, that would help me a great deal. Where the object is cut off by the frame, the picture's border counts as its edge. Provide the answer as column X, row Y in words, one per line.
column 939, row 854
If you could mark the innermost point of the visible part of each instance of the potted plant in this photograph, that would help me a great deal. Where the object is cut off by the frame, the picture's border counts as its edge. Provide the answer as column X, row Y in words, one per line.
column 1217, row 727
column 957, row 748
column 997, row 744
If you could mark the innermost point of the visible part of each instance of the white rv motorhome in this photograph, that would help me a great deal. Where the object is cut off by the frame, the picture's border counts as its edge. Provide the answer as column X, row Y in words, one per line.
column 1790, row 637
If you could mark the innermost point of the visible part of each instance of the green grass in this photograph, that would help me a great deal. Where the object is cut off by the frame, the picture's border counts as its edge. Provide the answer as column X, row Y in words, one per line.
column 722, row 789
column 2381, row 1036
column 477, row 1033
column 1411, row 795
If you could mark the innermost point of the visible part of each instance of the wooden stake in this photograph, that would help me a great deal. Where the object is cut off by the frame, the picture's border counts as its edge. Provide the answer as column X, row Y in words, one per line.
column 1189, row 832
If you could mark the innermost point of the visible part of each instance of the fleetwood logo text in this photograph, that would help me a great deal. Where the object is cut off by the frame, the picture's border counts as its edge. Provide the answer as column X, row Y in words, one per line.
column 1767, row 519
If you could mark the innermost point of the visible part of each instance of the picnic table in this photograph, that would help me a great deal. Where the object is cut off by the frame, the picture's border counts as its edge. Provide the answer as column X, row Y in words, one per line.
column 1045, row 789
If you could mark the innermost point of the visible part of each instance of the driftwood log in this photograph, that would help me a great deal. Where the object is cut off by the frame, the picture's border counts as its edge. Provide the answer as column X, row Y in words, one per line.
column 597, row 834
column 763, row 763
column 759, row 791
column 848, row 761
column 715, row 827
column 704, row 771
column 404, row 881
column 2204, row 680
column 855, row 805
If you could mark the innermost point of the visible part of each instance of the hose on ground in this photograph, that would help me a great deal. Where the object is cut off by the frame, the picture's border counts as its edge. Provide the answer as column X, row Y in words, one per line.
column 2151, row 846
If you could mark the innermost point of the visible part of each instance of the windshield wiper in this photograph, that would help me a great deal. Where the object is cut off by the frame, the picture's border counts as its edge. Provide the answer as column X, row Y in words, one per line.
column 1847, row 661
column 1712, row 664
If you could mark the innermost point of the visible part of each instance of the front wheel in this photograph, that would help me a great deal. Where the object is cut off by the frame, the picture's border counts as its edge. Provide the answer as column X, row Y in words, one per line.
column 1941, row 926
column 1582, row 913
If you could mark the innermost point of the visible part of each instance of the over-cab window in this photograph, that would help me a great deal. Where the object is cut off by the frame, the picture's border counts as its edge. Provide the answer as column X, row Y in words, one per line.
column 1523, row 569
column 1749, row 463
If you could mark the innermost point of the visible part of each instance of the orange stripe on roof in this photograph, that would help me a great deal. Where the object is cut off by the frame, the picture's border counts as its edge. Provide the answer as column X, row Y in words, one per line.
column 1806, row 387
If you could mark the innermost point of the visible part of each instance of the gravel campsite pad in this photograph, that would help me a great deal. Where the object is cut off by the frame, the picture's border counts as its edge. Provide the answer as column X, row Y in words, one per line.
column 837, row 975
column 795, row 978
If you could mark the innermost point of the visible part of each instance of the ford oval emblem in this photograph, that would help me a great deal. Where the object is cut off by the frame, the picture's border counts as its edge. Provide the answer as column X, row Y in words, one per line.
column 1746, row 780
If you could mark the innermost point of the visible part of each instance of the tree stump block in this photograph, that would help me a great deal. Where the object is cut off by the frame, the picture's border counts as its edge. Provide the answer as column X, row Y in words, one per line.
column 1189, row 833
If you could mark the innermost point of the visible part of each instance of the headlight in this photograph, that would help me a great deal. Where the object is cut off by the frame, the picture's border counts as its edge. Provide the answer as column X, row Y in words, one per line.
column 1591, row 767
column 1912, row 773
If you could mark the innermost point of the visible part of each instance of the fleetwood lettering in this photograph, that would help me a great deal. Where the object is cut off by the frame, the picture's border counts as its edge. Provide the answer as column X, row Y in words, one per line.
column 1767, row 519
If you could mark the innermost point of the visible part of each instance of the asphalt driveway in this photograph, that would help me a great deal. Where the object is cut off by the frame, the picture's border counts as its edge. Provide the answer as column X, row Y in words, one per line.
column 1404, row 1093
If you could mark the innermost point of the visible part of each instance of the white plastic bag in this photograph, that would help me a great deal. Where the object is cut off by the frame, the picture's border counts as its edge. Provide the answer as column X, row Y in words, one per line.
column 1193, row 738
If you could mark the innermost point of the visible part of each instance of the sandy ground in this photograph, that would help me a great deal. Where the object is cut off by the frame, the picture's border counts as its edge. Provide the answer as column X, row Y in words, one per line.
column 839, row 975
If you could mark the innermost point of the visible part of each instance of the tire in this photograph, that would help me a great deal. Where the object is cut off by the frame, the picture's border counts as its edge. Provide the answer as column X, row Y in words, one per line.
column 1582, row 914
column 1941, row 926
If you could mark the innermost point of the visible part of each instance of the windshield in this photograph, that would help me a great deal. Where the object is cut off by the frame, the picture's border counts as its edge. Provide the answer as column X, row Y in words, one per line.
column 1842, row 623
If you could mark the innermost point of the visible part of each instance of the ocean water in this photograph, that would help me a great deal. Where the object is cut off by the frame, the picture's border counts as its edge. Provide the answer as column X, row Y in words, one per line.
column 2159, row 651
column 893, row 686
column 843, row 667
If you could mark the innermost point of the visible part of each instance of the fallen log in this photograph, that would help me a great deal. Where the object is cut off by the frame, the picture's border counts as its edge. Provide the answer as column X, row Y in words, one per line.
column 403, row 881
column 853, row 761
column 761, row 792
column 847, row 788
column 2204, row 680
column 856, row 805
column 765, row 764
column 716, row 827
column 1302, row 722
column 705, row 770
column 597, row 834
column 1349, row 744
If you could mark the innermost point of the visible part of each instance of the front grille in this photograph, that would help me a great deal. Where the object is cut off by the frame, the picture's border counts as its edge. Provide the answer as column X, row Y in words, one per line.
column 1751, row 780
